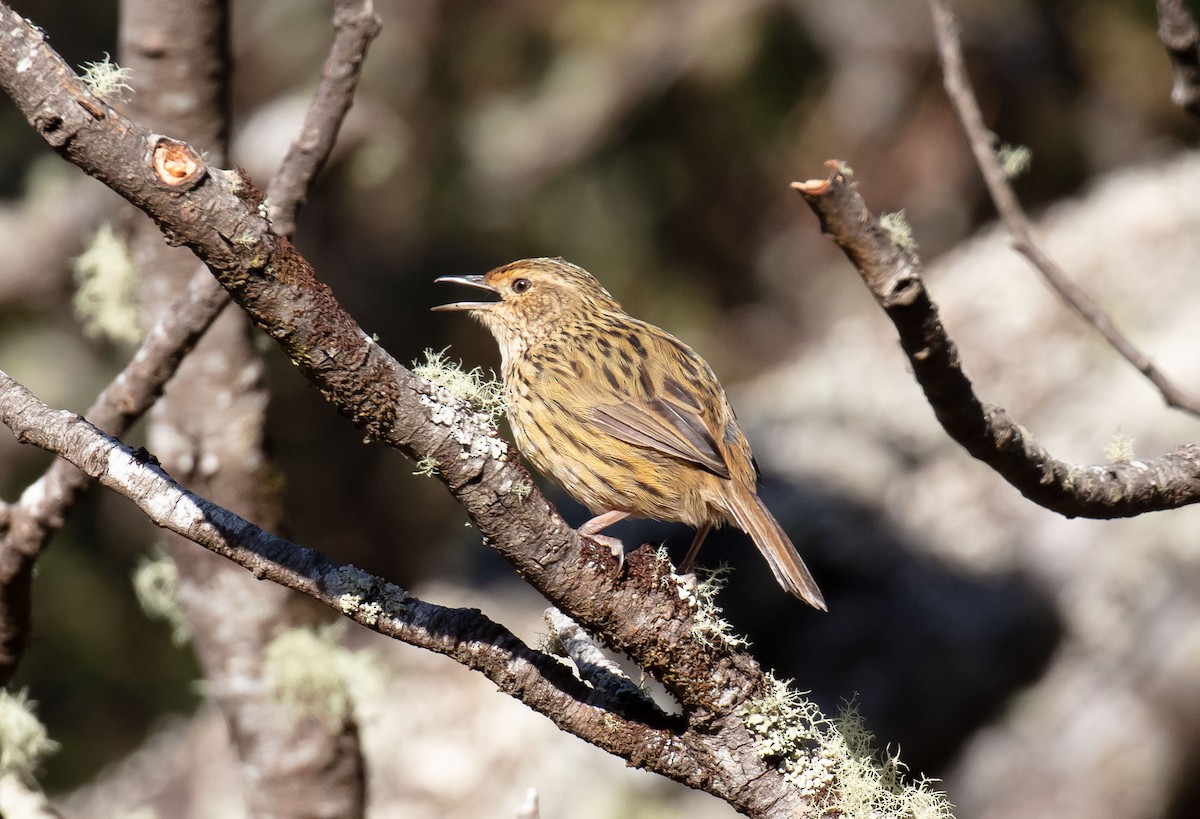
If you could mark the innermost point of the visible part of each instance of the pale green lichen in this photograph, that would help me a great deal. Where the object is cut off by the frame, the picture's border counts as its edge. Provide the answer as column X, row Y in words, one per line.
column 709, row 625
column 24, row 744
column 899, row 231
column 427, row 466
column 473, row 387
column 832, row 761
column 520, row 489
column 363, row 596
column 1119, row 448
column 466, row 401
column 107, row 80
column 106, row 298
column 156, row 584
column 872, row 787
column 312, row 675
column 1015, row 160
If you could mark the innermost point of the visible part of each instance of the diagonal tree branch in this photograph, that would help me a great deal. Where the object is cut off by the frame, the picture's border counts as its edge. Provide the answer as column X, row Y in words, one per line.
column 1120, row 489
column 355, row 25
column 1013, row 216
column 269, row 279
column 464, row 634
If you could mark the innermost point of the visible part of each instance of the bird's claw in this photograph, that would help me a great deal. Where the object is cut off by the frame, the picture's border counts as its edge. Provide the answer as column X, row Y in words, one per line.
column 615, row 546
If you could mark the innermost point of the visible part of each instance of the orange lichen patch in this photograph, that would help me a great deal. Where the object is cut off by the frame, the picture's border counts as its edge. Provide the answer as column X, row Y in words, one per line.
column 176, row 164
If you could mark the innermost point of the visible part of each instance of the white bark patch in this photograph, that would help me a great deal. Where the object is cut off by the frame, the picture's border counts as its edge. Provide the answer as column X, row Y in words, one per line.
column 164, row 503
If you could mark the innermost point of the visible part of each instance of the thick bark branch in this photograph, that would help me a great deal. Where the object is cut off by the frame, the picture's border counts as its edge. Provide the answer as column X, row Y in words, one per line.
column 1116, row 490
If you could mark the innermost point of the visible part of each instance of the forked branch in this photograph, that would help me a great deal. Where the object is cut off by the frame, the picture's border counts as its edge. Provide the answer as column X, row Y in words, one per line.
column 958, row 87
column 893, row 275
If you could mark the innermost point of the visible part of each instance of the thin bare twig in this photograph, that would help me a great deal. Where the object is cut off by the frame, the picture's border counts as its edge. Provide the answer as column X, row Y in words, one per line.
column 355, row 25
column 892, row 274
column 1013, row 215
column 1178, row 32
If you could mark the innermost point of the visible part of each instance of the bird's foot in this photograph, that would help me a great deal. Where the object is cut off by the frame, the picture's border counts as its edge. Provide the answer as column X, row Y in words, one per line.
column 689, row 582
column 615, row 546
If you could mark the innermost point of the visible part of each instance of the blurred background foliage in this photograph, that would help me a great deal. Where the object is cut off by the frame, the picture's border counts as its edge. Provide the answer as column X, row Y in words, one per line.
column 651, row 142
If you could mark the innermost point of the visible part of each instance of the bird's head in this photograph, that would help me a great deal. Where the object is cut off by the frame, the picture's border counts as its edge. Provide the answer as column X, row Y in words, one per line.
column 536, row 298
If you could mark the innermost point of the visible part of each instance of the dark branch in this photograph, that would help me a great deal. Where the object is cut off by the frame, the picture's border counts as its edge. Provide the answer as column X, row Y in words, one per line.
column 1120, row 489
column 958, row 87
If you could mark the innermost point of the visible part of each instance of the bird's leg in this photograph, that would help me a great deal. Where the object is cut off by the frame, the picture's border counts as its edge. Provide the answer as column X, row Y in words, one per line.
column 598, row 524
column 684, row 570
column 686, row 566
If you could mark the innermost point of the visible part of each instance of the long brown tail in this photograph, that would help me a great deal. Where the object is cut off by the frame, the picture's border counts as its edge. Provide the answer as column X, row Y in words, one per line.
column 754, row 519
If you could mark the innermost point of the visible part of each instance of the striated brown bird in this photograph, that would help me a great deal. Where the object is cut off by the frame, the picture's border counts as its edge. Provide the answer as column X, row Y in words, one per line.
column 627, row 418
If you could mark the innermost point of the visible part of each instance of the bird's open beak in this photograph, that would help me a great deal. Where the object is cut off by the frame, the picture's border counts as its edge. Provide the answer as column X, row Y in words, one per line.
column 472, row 281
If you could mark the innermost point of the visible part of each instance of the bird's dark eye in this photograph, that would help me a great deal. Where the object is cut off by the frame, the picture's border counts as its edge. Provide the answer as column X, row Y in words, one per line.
column 520, row 285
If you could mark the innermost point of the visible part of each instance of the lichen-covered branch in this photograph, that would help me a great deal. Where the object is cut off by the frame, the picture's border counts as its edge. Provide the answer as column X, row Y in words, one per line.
column 1115, row 490
column 641, row 611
